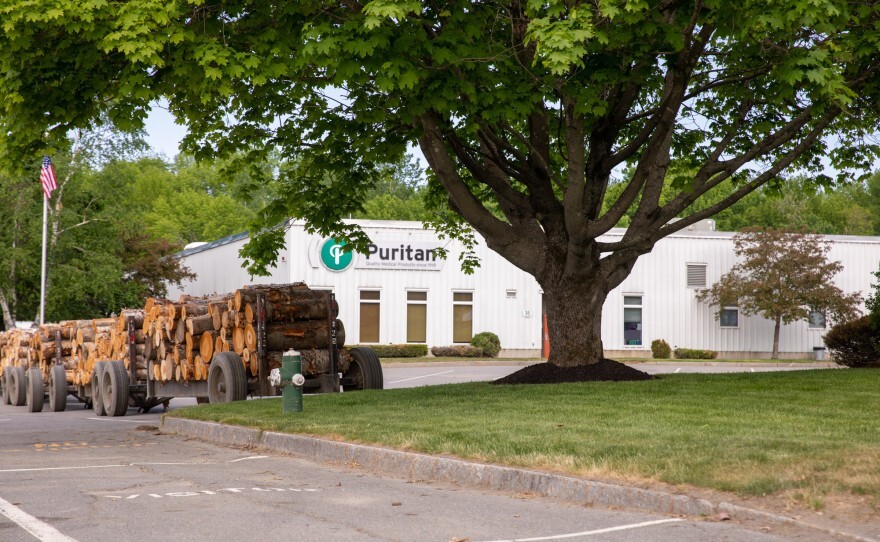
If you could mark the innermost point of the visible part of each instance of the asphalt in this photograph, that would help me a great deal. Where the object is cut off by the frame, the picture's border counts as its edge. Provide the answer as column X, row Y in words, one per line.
column 417, row 466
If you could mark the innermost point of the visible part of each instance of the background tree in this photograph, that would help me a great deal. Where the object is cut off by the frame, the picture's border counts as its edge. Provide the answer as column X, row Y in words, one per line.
column 523, row 111
column 782, row 277
column 399, row 194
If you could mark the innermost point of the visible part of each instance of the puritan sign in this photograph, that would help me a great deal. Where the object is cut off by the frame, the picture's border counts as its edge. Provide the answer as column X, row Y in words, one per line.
column 407, row 255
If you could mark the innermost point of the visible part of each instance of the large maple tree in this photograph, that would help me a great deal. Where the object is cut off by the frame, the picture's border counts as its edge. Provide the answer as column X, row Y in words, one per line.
column 524, row 110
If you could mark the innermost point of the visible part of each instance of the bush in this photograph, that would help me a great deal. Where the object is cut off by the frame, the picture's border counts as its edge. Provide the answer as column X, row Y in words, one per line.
column 693, row 353
column 854, row 344
column 396, row 350
column 458, row 351
column 660, row 349
column 488, row 342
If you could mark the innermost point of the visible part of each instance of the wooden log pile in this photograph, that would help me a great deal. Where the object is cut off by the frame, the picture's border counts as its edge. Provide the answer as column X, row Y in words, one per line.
column 181, row 338
column 16, row 349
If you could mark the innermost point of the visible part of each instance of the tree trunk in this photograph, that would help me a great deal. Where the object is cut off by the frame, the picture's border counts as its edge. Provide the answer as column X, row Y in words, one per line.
column 776, row 329
column 8, row 319
column 574, row 321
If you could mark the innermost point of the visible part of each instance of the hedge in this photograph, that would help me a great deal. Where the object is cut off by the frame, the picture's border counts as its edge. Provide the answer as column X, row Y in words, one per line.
column 693, row 353
column 396, row 350
column 854, row 344
column 488, row 342
column 457, row 351
column 660, row 349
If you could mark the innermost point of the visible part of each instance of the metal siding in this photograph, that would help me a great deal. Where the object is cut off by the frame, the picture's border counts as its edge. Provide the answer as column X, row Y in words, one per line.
column 670, row 310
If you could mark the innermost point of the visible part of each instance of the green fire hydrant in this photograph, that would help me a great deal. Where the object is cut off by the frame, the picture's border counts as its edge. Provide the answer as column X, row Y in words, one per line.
column 290, row 378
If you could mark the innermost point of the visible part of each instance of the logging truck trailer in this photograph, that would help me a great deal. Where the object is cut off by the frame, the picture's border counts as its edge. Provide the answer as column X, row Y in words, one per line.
column 115, row 385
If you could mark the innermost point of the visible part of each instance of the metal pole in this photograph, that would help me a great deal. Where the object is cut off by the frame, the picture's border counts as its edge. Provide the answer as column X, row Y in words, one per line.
column 43, row 266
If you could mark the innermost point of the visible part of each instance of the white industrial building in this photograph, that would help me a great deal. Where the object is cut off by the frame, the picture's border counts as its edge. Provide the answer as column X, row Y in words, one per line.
column 401, row 293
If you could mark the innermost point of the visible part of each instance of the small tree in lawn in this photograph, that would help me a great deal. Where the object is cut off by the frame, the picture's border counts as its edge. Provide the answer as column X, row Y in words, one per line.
column 783, row 277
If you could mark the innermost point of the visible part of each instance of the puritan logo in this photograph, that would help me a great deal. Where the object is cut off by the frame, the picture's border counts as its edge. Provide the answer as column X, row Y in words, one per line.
column 334, row 257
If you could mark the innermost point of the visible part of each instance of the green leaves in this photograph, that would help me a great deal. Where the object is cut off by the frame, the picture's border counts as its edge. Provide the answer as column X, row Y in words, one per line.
column 560, row 36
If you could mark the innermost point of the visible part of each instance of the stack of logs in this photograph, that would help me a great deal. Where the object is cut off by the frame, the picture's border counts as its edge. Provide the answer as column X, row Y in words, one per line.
column 15, row 349
column 182, row 338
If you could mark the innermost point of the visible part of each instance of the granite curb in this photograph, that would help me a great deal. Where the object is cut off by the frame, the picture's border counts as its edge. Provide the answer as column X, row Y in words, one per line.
column 417, row 466
column 636, row 364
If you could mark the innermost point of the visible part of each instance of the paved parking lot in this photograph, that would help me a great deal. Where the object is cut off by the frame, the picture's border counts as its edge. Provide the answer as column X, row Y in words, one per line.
column 71, row 476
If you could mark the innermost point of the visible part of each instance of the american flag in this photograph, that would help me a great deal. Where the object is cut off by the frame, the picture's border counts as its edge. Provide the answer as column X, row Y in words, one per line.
column 47, row 177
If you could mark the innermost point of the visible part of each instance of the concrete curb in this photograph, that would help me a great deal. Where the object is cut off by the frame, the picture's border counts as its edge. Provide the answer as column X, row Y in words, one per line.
column 418, row 466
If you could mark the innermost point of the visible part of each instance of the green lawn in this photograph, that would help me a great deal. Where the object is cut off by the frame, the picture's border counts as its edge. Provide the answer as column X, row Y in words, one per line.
column 806, row 433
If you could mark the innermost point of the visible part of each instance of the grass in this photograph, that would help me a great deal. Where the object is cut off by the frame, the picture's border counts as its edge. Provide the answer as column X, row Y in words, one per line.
column 809, row 433
column 427, row 359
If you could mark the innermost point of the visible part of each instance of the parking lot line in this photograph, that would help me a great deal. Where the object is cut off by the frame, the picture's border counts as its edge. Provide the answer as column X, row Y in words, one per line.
column 423, row 376
column 64, row 468
column 113, row 419
column 42, row 531
column 597, row 531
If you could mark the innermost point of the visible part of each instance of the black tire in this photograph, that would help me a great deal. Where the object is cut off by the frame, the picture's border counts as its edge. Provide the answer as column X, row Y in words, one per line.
column 202, row 400
column 17, row 385
column 115, row 388
column 57, row 389
column 97, row 400
column 365, row 370
column 227, row 380
column 36, row 390
column 4, row 380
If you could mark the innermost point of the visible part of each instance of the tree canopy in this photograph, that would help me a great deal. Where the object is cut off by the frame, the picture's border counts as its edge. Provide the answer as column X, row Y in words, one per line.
column 783, row 277
column 524, row 110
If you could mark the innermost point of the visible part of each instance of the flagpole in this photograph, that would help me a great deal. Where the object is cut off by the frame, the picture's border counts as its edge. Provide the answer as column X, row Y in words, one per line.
column 43, row 266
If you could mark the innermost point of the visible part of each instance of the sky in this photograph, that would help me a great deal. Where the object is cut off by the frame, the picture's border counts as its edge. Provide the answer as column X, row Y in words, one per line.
column 162, row 134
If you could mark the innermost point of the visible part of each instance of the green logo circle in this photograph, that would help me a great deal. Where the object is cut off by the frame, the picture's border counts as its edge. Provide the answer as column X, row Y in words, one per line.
column 334, row 256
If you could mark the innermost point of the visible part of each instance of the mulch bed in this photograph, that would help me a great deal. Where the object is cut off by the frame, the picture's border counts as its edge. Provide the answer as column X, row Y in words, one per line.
column 546, row 373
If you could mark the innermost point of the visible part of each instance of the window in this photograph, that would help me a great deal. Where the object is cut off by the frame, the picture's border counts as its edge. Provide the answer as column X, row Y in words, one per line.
column 696, row 275
column 416, row 317
column 817, row 319
column 729, row 317
column 369, row 316
column 632, row 320
column 462, row 317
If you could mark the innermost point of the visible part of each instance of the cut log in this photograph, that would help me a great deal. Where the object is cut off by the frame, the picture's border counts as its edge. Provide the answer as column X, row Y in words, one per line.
column 47, row 349
column 137, row 314
column 191, row 310
column 206, row 345
column 304, row 335
column 200, row 324
column 216, row 315
column 180, row 331
column 314, row 362
column 238, row 342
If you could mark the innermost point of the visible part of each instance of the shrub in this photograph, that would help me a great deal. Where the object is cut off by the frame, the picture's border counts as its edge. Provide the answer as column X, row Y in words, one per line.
column 397, row 350
column 660, row 349
column 488, row 342
column 854, row 344
column 693, row 353
column 457, row 351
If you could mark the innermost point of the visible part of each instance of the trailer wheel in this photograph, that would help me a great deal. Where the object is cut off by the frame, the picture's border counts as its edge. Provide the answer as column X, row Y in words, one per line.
column 57, row 389
column 365, row 370
column 115, row 388
column 35, row 393
column 97, row 400
column 227, row 380
column 7, row 393
column 17, row 385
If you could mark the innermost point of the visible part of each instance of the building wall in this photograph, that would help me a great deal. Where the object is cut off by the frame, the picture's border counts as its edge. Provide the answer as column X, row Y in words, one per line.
column 672, row 312
column 507, row 301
